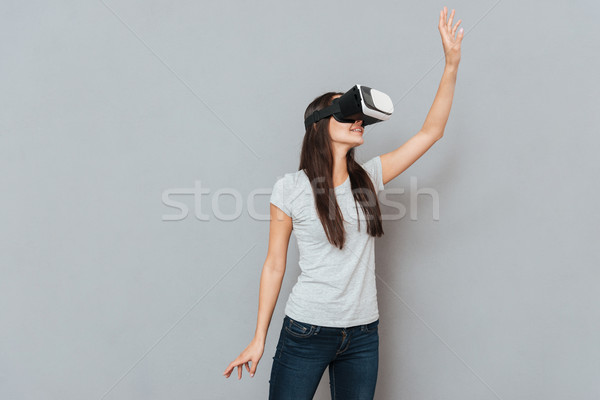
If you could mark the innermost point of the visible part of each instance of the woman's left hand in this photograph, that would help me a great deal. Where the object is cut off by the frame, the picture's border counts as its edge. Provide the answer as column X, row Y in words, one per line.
column 449, row 41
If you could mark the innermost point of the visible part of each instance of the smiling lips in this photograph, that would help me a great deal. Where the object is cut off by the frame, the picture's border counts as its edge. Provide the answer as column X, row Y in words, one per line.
column 358, row 128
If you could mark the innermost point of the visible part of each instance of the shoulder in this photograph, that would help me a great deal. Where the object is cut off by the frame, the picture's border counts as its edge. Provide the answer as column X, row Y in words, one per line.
column 291, row 185
column 287, row 189
column 291, row 180
column 372, row 164
column 374, row 169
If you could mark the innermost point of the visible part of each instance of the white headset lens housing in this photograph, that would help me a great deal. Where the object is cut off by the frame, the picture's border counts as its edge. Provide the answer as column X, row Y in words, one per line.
column 376, row 104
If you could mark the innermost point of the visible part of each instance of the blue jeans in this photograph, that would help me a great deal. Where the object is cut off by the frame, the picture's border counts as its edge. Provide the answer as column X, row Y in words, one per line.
column 305, row 350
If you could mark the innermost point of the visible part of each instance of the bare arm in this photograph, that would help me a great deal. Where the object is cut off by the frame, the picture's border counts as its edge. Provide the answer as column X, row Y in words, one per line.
column 270, row 285
column 273, row 270
column 398, row 160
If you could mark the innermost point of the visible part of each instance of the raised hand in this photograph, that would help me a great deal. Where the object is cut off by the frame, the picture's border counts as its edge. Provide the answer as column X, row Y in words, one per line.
column 450, row 40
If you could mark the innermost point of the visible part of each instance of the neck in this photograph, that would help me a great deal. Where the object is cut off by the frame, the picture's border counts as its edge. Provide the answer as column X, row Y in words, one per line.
column 340, row 168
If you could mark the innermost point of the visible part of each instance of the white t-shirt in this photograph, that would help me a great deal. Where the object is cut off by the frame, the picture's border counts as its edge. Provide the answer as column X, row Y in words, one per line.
column 335, row 288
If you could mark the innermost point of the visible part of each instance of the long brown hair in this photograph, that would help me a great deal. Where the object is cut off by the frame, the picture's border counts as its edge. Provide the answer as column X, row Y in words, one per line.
column 316, row 159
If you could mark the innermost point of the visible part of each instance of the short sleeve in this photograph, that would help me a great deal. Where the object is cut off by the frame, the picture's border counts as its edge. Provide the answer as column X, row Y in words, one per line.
column 280, row 196
column 373, row 167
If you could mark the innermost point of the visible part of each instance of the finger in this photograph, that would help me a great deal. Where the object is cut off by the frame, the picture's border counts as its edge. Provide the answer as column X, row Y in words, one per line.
column 229, row 368
column 239, row 371
column 232, row 366
column 253, row 369
column 442, row 25
column 455, row 27
column 445, row 14
column 229, row 371
column 461, row 34
column 451, row 18
column 247, row 366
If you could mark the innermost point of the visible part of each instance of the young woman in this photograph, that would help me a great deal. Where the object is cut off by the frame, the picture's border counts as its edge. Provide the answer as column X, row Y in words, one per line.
column 331, row 316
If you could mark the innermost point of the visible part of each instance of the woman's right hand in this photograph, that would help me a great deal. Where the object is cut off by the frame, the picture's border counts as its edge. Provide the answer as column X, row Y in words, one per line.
column 253, row 353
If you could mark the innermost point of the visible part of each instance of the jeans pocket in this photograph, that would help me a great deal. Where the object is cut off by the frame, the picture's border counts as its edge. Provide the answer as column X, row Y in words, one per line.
column 373, row 326
column 299, row 329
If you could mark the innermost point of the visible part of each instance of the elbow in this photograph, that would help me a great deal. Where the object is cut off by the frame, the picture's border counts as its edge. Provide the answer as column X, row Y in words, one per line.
column 438, row 134
column 434, row 135
column 275, row 264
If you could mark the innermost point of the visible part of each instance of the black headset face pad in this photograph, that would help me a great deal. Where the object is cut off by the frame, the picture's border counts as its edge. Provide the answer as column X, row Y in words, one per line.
column 343, row 121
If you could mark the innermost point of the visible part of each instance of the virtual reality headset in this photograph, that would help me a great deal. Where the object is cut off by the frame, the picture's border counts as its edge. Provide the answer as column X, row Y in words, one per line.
column 359, row 103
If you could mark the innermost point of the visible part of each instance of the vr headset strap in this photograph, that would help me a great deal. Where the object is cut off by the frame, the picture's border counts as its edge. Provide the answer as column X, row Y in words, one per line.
column 324, row 113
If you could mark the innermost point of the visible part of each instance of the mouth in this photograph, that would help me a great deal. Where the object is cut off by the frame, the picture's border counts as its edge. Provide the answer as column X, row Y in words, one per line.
column 359, row 129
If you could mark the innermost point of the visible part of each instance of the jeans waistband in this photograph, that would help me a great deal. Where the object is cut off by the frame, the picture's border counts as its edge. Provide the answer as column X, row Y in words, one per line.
column 319, row 328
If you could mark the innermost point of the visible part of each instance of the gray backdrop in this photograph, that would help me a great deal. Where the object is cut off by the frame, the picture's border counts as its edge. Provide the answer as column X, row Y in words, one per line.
column 115, row 113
